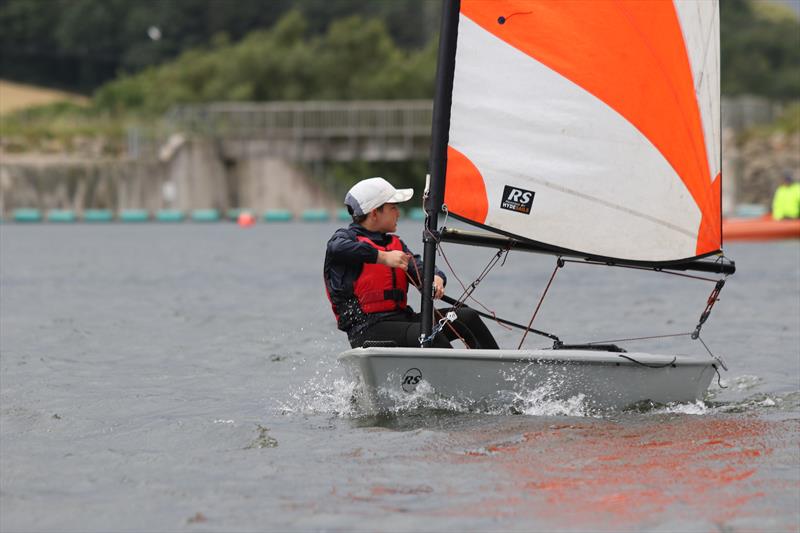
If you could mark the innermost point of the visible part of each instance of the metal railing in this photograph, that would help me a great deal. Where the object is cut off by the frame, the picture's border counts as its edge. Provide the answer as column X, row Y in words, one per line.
column 320, row 119
column 305, row 120
column 742, row 112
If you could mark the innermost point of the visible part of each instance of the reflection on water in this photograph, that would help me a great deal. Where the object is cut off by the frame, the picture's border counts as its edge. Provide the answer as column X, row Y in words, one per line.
column 693, row 466
column 628, row 472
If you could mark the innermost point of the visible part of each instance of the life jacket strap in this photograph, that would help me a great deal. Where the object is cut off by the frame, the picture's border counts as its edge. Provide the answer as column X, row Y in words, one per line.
column 397, row 295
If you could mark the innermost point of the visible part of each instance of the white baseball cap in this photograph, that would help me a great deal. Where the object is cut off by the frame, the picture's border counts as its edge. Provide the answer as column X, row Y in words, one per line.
column 368, row 194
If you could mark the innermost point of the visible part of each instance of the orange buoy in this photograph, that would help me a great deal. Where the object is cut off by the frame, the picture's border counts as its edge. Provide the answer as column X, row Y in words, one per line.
column 246, row 219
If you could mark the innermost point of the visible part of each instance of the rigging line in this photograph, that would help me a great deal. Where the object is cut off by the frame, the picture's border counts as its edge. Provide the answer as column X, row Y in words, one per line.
column 719, row 377
column 461, row 299
column 436, row 238
column 665, row 365
column 418, row 285
column 632, row 267
column 712, row 299
column 642, row 338
column 503, row 321
column 449, row 266
column 446, row 214
column 717, row 359
column 474, row 285
column 559, row 264
column 440, row 249
column 468, row 294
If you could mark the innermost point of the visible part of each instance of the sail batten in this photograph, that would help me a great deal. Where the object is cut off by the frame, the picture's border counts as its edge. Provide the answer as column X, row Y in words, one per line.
column 589, row 125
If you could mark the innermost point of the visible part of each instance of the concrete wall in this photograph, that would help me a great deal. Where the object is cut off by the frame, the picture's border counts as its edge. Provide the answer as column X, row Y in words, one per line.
column 57, row 182
column 269, row 182
column 192, row 174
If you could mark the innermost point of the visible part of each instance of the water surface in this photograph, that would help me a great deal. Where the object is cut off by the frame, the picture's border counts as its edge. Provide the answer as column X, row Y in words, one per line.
column 180, row 378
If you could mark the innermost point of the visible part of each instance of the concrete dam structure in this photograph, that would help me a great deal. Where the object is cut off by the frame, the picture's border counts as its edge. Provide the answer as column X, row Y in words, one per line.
column 277, row 155
column 223, row 156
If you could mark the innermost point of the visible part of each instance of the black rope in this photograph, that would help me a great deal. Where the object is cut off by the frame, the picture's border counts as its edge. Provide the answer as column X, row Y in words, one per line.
column 641, row 338
column 714, row 357
column 695, row 335
column 467, row 291
column 719, row 377
column 496, row 318
column 559, row 264
column 438, row 313
column 671, row 363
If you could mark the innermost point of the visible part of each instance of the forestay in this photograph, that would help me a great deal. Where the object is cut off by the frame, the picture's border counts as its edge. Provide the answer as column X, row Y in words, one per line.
column 590, row 126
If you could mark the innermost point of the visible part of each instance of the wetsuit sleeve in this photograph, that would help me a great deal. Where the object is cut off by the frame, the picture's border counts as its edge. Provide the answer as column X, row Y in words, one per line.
column 415, row 267
column 344, row 248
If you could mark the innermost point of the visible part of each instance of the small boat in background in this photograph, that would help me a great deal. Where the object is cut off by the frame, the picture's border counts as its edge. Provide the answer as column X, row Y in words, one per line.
column 760, row 229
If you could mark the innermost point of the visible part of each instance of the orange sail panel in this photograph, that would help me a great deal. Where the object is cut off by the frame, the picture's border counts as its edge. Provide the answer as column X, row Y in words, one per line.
column 466, row 192
column 603, row 111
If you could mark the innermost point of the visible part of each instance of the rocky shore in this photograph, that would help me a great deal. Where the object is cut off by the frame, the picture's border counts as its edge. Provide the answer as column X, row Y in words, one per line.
column 760, row 163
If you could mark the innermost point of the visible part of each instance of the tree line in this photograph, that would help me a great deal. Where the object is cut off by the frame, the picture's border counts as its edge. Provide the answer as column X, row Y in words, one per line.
column 147, row 55
column 356, row 58
column 760, row 45
column 81, row 44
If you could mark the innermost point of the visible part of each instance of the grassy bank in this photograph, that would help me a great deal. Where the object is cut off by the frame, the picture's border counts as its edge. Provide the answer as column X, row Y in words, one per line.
column 18, row 96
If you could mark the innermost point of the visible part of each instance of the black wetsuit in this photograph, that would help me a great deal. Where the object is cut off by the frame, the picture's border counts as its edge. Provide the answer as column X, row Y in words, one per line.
column 344, row 259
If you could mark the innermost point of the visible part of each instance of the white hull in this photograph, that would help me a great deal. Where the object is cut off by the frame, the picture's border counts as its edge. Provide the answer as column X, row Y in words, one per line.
column 605, row 380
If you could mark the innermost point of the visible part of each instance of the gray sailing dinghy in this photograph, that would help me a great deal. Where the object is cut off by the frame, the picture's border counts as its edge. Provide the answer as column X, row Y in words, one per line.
column 489, row 378
column 568, row 128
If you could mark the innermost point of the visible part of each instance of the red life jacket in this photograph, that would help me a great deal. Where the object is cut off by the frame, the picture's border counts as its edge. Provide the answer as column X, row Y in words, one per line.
column 380, row 288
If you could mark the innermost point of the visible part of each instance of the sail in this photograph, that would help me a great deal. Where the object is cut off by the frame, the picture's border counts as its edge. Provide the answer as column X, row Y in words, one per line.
column 589, row 125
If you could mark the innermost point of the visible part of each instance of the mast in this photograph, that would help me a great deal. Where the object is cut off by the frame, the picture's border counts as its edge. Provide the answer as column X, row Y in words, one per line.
column 445, row 67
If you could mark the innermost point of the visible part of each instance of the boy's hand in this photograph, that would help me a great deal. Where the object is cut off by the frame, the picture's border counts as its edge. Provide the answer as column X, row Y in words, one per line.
column 438, row 287
column 393, row 259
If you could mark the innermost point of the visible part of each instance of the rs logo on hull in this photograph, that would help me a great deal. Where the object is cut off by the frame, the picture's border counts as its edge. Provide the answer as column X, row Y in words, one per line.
column 411, row 379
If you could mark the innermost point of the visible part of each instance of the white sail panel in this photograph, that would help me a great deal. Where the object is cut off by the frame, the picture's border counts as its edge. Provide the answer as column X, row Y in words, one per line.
column 700, row 27
column 600, row 186
column 608, row 128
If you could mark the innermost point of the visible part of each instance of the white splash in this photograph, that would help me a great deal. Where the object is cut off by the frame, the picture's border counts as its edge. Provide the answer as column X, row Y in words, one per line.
column 543, row 401
column 742, row 383
column 424, row 396
column 323, row 394
column 694, row 408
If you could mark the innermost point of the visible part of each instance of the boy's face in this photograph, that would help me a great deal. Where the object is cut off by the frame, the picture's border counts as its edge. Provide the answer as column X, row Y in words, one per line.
column 386, row 218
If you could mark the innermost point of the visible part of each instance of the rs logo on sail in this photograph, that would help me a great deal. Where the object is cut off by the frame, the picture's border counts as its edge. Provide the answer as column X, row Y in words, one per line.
column 518, row 200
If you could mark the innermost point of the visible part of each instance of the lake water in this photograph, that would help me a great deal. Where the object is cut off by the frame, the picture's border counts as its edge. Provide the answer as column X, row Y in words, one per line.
column 184, row 378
